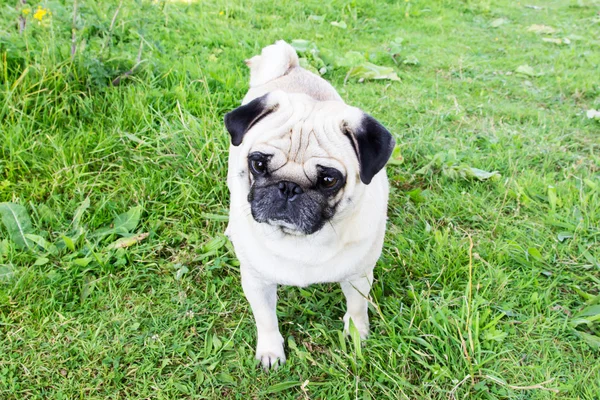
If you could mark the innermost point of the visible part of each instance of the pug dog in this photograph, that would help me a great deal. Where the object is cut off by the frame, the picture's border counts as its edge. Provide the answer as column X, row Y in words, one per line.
column 308, row 190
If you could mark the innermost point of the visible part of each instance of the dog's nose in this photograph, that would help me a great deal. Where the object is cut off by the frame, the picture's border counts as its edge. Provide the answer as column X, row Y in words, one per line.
column 289, row 190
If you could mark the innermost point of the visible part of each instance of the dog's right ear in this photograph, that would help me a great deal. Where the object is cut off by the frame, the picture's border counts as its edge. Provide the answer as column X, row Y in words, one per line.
column 239, row 121
column 372, row 143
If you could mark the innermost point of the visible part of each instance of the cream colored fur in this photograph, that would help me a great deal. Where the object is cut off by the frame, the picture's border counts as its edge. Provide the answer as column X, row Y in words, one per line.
column 303, row 132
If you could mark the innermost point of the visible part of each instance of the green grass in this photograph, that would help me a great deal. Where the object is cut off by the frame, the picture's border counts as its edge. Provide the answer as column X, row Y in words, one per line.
column 480, row 283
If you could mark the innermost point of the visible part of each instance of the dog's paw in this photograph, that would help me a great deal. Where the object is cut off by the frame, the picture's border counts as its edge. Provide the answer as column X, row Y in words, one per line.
column 269, row 351
column 361, row 324
column 271, row 360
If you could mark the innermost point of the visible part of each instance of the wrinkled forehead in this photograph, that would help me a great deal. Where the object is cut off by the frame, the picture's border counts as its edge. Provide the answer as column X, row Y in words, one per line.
column 304, row 133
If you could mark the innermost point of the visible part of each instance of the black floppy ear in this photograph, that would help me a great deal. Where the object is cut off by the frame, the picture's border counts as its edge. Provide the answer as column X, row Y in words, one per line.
column 373, row 145
column 240, row 120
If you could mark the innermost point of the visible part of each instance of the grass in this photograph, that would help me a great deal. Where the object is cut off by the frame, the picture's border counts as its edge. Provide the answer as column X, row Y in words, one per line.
column 485, row 289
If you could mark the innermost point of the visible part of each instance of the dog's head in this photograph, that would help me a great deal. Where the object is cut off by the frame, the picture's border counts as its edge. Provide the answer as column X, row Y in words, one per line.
column 305, row 160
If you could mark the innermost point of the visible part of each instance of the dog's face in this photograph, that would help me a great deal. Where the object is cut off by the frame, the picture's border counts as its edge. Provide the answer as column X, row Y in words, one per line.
column 302, row 161
column 299, row 193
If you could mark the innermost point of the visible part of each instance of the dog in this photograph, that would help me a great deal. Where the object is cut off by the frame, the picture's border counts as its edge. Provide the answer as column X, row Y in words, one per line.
column 308, row 192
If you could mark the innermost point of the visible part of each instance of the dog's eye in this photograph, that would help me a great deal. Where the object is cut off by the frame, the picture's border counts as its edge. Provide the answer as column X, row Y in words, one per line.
column 327, row 181
column 258, row 166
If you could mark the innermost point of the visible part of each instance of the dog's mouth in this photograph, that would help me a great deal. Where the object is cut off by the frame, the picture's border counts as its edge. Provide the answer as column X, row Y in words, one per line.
column 286, row 227
column 302, row 215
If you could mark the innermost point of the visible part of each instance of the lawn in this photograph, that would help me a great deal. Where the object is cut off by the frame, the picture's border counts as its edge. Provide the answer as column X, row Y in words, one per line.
column 113, row 153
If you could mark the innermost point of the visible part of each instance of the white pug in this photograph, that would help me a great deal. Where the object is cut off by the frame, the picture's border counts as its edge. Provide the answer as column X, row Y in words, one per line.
column 308, row 189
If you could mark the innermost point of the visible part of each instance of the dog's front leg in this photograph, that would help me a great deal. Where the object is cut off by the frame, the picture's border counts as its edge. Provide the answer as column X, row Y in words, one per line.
column 357, row 293
column 263, row 301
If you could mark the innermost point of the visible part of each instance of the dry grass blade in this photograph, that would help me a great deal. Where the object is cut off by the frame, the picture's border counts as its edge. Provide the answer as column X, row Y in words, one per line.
column 539, row 386
column 74, row 31
column 117, row 81
column 22, row 20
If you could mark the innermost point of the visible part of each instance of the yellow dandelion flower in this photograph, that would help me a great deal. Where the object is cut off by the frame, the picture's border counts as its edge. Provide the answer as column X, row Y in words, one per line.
column 221, row 12
column 26, row 11
column 40, row 13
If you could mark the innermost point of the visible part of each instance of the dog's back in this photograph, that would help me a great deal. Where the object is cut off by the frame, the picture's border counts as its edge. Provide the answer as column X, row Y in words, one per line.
column 277, row 68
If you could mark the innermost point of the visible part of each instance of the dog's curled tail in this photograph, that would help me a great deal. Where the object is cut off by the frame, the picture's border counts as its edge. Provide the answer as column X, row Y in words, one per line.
column 273, row 62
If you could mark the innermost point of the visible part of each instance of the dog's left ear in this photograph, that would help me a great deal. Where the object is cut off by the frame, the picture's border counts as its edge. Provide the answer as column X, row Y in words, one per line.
column 373, row 145
column 239, row 121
